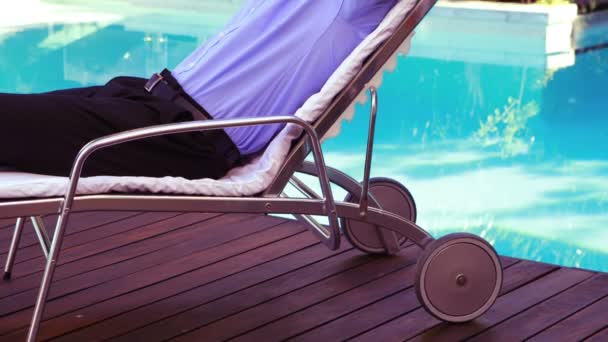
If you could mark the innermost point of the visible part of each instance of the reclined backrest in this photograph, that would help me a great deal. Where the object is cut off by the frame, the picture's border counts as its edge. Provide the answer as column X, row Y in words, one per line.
column 372, row 65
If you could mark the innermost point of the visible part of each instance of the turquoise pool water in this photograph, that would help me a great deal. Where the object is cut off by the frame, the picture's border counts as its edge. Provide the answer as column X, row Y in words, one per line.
column 514, row 152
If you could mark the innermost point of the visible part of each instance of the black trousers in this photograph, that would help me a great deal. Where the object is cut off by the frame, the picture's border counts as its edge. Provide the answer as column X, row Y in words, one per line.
column 42, row 133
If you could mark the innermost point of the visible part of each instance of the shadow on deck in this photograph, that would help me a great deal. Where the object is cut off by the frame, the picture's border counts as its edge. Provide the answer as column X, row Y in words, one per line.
column 193, row 277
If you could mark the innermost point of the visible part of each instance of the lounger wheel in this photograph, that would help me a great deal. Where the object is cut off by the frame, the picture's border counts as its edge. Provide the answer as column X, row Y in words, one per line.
column 458, row 277
column 393, row 197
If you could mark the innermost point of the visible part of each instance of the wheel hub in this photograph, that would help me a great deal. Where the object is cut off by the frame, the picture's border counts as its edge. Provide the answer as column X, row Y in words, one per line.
column 461, row 280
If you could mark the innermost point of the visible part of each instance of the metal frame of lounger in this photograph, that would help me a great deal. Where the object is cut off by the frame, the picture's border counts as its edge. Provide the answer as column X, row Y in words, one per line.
column 272, row 201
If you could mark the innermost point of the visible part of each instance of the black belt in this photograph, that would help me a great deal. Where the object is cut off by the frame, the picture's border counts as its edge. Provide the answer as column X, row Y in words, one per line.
column 163, row 85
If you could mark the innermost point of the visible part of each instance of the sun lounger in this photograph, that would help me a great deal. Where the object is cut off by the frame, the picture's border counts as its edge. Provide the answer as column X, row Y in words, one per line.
column 456, row 263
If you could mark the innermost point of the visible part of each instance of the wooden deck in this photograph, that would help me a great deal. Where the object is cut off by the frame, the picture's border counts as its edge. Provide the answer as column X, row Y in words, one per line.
column 206, row 277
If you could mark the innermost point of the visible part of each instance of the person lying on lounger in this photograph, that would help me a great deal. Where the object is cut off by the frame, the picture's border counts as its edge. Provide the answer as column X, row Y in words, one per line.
column 269, row 58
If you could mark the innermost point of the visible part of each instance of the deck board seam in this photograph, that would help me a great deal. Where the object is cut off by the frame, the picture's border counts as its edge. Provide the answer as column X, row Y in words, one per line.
column 181, row 274
column 570, row 315
column 514, row 314
column 603, row 330
column 236, row 291
column 302, row 231
column 525, row 283
column 316, row 302
column 68, row 236
column 92, row 270
column 400, row 268
column 515, row 262
column 30, row 232
column 108, row 265
column 409, row 288
column 274, row 298
column 336, row 303
column 82, row 260
column 296, row 232
column 307, row 285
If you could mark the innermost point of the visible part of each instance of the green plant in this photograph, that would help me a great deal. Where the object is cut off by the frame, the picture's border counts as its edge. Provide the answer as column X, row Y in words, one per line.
column 507, row 128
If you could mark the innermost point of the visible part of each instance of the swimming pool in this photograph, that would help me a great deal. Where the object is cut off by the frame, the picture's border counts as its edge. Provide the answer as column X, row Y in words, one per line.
column 513, row 152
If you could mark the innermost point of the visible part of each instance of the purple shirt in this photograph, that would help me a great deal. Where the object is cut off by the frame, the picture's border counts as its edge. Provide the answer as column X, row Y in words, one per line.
column 272, row 56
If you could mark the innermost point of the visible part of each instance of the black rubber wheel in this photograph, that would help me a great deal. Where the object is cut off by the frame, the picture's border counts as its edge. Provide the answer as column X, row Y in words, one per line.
column 393, row 197
column 458, row 277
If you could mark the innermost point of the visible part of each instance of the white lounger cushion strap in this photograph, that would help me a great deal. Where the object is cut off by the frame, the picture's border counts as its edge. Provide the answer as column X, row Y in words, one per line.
column 246, row 180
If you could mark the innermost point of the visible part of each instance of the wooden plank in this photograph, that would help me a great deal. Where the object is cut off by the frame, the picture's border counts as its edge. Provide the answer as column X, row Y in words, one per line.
column 90, row 219
column 332, row 308
column 524, row 272
column 6, row 223
column 166, row 318
column 508, row 261
column 600, row 336
column 175, row 276
column 366, row 318
column 29, row 246
column 90, row 232
column 28, row 237
column 414, row 319
column 509, row 305
column 412, row 323
column 201, row 282
column 282, row 306
column 157, row 250
column 113, row 253
column 549, row 312
column 578, row 326
column 144, row 246
column 79, row 222
column 139, row 232
column 27, row 275
column 275, row 242
column 250, row 297
column 6, row 232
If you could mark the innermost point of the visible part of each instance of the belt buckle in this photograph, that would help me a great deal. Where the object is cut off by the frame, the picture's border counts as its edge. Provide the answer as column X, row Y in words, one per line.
column 152, row 82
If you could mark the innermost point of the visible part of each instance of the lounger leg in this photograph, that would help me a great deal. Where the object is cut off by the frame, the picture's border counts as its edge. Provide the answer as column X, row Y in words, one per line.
column 42, row 234
column 12, row 252
column 47, row 277
column 318, row 229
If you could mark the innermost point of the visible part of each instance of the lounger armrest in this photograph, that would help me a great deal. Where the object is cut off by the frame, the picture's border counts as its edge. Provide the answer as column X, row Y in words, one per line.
column 182, row 127
column 192, row 126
